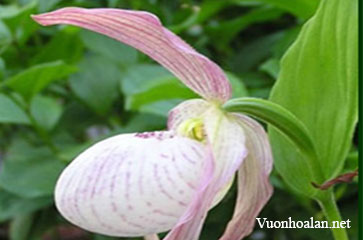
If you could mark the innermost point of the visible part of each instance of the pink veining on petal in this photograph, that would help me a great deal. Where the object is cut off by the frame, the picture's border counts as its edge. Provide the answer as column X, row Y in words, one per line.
column 254, row 188
column 226, row 142
column 112, row 203
column 144, row 32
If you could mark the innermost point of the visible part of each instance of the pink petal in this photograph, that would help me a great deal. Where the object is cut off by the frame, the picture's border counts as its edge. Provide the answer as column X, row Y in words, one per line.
column 227, row 141
column 144, row 31
column 254, row 188
column 133, row 184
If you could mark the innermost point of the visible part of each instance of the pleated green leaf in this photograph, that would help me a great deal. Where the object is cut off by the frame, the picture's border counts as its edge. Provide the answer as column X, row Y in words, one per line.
column 318, row 83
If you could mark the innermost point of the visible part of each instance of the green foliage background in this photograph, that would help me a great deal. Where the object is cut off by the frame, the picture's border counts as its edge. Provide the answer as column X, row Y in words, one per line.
column 63, row 88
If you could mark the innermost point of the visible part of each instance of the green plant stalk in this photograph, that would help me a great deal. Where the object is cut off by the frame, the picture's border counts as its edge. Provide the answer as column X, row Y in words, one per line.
column 330, row 209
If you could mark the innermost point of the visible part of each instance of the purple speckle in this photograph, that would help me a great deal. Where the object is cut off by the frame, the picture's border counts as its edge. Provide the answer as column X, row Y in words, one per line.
column 156, row 135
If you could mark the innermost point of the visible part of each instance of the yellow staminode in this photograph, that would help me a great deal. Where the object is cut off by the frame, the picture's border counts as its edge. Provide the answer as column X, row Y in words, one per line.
column 192, row 128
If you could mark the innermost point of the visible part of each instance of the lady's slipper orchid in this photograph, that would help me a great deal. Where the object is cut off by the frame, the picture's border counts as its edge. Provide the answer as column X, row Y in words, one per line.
column 145, row 183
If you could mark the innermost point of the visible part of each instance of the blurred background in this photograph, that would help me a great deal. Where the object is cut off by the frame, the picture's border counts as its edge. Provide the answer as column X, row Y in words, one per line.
column 63, row 88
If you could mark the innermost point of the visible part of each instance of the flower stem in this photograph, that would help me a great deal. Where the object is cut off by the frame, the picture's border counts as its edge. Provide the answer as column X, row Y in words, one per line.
column 331, row 212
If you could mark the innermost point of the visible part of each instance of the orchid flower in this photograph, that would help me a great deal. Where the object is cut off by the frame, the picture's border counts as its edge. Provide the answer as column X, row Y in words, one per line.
column 141, row 184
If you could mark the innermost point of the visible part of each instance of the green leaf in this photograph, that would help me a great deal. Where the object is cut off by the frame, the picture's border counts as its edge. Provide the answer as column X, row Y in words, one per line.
column 46, row 5
column 110, row 48
column 18, row 21
column 46, row 223
column 300, row 8
column 12, row 205
column 280, row 118
column 166, row 89
column 137, row 123
column 20, row 227
column 30, row 172
column 10, row 112
column 46, row 111
column 160, row 108
column 146, row 83
column 8, row 11
column 97, row 83
column 33, row 80
column 318, row 83
column 2, row 69
column 226, row 31
column 152, row 89
column 352, row 162
column 238, row 87
column 287, row 39
column 252, row 54
column 271, row 67
column 209, row 8
column 5, row 37
column 65, row 45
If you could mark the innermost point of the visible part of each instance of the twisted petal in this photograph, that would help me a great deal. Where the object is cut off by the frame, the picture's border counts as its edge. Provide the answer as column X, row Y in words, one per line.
column 144, row 31
column 254, row 189
column 133, row 184
column 226, row 138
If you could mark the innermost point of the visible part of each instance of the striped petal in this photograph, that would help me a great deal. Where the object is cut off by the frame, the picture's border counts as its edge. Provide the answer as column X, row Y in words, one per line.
column 254, row 188
column 144, row 31
column 133, row 184
column 227, row 140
